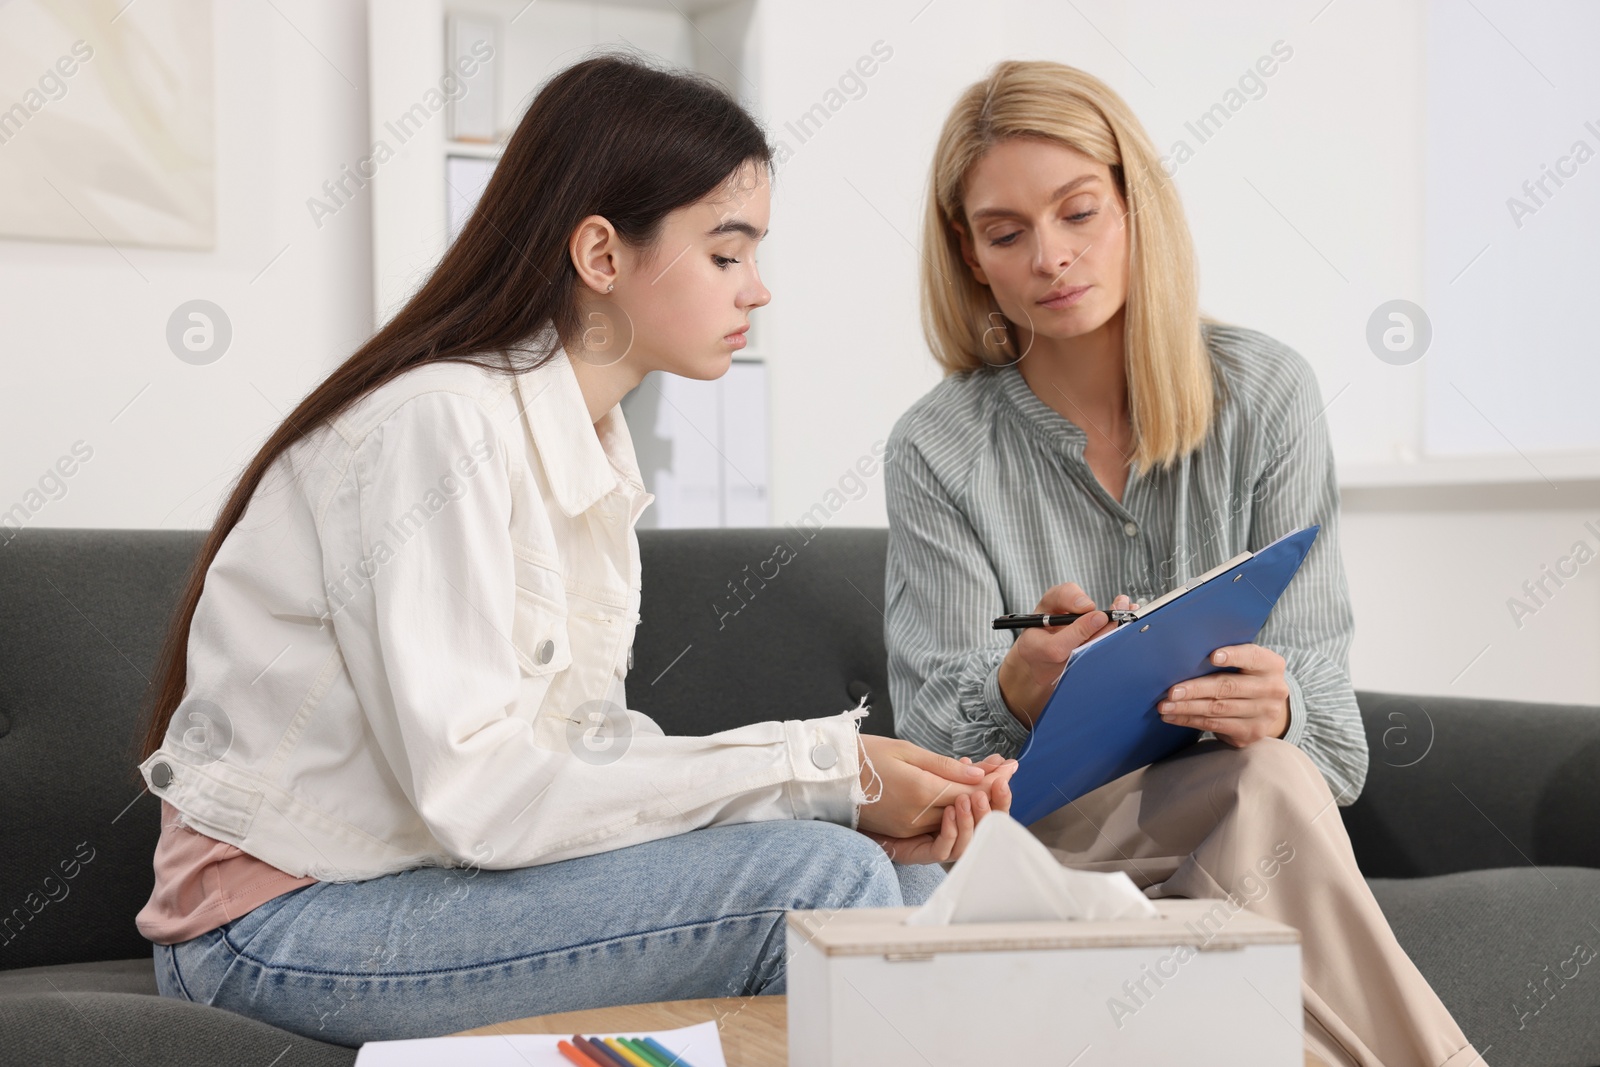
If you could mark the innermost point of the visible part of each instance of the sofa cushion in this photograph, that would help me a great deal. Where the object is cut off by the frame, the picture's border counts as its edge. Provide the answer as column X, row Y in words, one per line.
column 82, row 613
column 68, row 1029
column 104, row 976
column 1513, row 955
column 1461, row 784
column 741, row 626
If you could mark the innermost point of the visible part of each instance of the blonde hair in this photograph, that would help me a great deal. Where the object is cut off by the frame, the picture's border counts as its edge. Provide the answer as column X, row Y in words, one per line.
column 1170, row 377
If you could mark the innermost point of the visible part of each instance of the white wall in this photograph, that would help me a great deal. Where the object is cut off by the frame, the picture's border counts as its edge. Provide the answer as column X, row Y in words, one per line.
column 1431, row 576
column 1307, row 213
column 84, row 339
column 849, row 205
column 1334, row 146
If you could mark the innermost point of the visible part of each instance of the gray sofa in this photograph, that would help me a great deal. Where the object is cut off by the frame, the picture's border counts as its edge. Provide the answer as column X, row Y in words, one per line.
column 1479, row 826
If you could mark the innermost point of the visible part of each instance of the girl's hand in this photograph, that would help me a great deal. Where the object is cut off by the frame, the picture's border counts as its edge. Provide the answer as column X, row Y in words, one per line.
column 1029, row 673
column 1238, row 707
column 997, row 772
column 959, row 820
column 917, row 786
column 955, row 833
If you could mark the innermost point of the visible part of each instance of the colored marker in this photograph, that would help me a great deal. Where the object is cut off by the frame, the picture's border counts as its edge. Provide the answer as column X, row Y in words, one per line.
column 644, row 1052
column 670, row 1058
column 597, row 1051
column 633, row 1058
column 567, row 1049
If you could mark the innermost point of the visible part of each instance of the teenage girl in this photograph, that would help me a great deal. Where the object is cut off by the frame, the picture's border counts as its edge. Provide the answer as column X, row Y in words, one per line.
column 374, row 732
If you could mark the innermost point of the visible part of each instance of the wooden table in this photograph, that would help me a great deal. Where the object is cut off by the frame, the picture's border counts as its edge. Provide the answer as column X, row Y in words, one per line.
column 755, row 1030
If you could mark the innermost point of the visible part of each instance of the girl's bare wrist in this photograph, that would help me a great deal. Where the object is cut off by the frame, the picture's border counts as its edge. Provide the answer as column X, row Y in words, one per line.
column 868, row 779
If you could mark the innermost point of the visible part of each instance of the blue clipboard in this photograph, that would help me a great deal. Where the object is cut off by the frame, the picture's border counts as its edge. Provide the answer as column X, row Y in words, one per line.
column 1101, row 721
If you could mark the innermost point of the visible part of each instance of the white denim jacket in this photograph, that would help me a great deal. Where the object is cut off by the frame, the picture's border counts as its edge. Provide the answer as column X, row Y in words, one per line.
column 411, row 649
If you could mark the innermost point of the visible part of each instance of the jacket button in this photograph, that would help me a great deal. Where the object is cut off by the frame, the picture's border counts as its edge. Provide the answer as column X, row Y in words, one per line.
column 1130, row 528
column 859, row 690
column 824, row 755
column 160, row 775
column 546, row 649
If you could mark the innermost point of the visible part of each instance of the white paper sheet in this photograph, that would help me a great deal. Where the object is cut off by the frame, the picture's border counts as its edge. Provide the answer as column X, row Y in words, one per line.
column 699, row 1045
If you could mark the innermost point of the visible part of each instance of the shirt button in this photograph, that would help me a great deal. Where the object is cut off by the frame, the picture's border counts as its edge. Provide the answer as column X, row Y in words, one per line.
column 1130, row 528
column 546, row 649
column 160, row 775
column 824, row 755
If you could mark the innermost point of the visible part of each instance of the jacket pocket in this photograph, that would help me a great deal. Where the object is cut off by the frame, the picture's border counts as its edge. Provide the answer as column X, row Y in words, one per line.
column 539, row 632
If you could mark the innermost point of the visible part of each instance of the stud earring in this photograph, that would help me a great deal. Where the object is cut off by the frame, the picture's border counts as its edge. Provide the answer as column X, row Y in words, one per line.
column 610, row 287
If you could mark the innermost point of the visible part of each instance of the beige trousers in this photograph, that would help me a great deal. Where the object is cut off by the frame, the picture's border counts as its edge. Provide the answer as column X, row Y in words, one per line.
column 1259, row 824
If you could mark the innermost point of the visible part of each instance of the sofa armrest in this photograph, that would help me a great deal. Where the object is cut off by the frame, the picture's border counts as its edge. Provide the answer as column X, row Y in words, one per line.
column 1461, row 784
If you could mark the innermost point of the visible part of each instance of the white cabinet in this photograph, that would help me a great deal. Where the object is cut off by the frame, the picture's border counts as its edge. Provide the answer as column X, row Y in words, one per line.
column 449, row 81
column 702, row 447
column 429, row 73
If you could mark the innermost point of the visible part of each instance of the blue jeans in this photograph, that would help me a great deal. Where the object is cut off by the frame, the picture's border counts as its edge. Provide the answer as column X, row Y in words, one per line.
column 434, row 950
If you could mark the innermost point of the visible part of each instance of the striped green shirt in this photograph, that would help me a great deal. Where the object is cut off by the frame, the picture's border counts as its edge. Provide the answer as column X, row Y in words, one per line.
column 991, row 502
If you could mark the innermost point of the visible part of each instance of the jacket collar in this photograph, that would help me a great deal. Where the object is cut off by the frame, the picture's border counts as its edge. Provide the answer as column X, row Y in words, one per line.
column 582, row 460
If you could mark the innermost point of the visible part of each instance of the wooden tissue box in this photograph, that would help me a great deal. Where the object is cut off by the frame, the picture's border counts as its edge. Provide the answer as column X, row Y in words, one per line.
column 1205, row 983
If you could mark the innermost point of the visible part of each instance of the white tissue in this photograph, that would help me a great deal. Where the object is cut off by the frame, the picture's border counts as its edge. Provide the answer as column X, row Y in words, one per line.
column 1007, row 875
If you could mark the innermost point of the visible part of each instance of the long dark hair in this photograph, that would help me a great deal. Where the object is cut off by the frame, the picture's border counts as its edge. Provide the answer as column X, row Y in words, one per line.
column 611, row 136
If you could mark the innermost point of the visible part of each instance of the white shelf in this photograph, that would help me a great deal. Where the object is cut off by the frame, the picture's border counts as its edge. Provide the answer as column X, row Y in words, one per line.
column 475, row 149
column 1537, row 468
column 406, row 45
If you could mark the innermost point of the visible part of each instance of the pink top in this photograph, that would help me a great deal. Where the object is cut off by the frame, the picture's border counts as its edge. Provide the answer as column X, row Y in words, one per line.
column 202, row 883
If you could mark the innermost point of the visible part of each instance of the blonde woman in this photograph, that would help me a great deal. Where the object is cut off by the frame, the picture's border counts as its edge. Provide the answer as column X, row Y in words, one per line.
column 1097, row 441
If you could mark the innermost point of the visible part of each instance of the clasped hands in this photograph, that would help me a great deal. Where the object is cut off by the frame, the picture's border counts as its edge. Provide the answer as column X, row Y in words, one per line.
column 930, row 805
column 1239, row 707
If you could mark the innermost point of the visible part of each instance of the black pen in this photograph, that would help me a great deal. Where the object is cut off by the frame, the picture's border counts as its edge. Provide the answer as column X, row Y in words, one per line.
column 1023, row 622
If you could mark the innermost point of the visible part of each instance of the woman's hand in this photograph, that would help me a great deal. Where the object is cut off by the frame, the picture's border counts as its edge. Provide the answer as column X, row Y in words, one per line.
column 959, row 820
column 917, row 786
column 1029, row 673
column 1238, row 707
